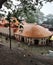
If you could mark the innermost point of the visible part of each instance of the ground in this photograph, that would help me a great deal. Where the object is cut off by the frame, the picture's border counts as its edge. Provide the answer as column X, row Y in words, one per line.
column 22, row 54
column 19, row 57
column 34, row 49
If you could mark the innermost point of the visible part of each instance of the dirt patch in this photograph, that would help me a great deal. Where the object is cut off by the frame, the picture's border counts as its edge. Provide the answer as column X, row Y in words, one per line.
column 18, row 57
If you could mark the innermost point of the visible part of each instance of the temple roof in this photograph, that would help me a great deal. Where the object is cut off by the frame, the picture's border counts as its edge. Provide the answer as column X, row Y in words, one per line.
column 35, row 31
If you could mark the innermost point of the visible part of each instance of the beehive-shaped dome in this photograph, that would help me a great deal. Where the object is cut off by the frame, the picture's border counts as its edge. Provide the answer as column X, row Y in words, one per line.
column 35, row 31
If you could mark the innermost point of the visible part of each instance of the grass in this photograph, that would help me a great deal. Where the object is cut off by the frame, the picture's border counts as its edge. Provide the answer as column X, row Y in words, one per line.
column 33, row 49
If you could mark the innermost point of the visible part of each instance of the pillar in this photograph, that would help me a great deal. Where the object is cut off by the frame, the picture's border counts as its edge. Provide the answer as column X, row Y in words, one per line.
column 40, row 41
column 19, row 37
column 32, row 41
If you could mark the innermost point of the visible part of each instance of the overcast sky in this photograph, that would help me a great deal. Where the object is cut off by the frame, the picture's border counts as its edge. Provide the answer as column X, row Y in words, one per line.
column 47, row 8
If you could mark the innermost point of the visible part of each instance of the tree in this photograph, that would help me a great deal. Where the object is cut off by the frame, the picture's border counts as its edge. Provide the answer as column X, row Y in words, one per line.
column 1, row 2
column 25, row 9
column 1, row 15
column 49, row 20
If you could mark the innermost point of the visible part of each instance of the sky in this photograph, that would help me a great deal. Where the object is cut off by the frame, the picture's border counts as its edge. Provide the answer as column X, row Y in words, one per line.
column 47, row 8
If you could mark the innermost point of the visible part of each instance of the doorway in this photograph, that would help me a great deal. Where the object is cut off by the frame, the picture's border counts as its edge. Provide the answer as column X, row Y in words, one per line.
column 36, row 42
column 22, row 39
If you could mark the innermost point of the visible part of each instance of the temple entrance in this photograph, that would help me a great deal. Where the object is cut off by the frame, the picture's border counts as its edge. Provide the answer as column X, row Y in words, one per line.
column 22, row 39
column 36, row 42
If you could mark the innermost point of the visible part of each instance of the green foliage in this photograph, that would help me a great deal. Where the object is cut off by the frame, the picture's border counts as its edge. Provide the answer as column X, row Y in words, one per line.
column 16, row 13
column 49, row 20
column 8, row 4
column 2, row 15
column 30, row 20
column 9, row 16
column 29, row 10
column 26, row 9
